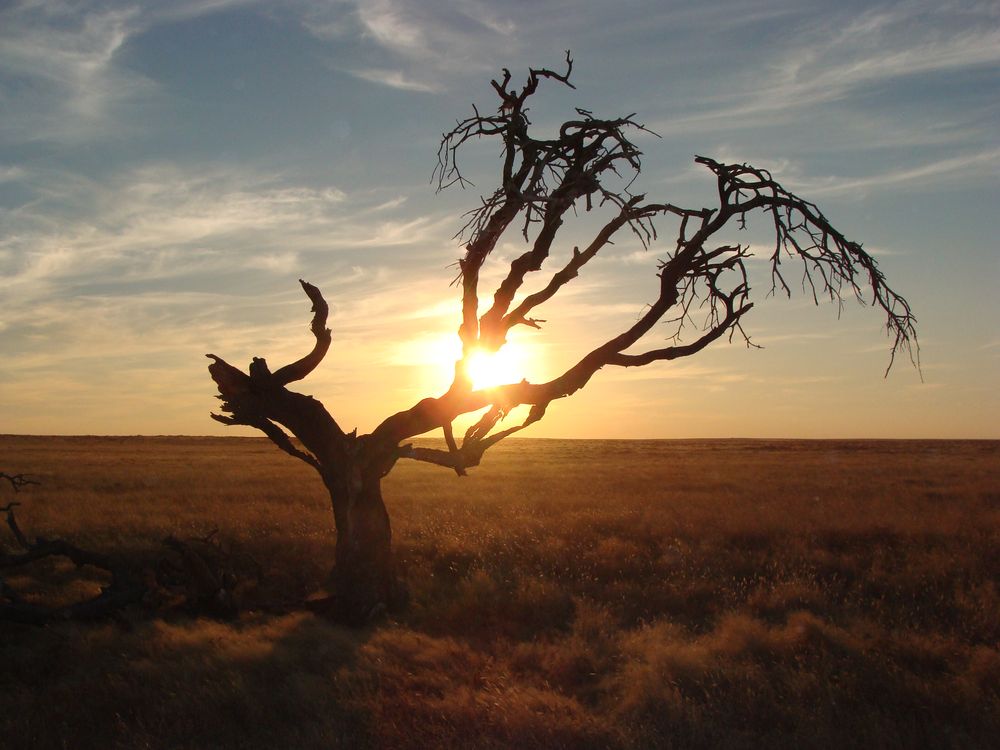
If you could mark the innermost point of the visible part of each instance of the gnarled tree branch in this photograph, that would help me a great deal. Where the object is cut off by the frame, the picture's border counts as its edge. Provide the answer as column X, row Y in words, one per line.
column 301, row 368
column 588, row 164
column 259, row 399
column 708, row 288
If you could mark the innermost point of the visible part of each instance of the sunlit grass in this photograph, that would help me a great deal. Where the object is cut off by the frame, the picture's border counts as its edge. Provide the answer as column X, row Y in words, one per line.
column 566, row 594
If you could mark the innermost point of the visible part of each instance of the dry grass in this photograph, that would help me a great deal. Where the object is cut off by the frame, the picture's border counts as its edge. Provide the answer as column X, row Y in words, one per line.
column 708, row 594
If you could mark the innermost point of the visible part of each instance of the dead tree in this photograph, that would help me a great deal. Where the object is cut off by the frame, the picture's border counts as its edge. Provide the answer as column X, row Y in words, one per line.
column 123, row 589
column 589, row 164
column 198, row 576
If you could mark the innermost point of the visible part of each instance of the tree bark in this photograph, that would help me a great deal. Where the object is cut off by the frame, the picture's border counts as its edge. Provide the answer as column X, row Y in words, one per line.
column 364, row 579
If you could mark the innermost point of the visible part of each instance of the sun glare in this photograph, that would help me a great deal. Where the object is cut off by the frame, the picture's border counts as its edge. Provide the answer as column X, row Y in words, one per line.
column 513, row 363
column 488, row 370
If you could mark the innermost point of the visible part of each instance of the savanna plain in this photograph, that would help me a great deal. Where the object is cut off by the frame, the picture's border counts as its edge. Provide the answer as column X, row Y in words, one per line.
column 574, row 594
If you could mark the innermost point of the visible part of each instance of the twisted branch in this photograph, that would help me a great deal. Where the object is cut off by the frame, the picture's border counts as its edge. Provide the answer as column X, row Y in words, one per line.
column 259, row 399
column 700, row 286
column 590, row 163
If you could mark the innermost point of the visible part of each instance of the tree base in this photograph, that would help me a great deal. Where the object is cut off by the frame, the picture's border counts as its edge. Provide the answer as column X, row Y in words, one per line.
column 356, row 608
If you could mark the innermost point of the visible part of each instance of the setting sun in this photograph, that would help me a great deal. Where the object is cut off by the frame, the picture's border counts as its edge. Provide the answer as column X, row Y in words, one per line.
column 489, row 370
column 515, row 361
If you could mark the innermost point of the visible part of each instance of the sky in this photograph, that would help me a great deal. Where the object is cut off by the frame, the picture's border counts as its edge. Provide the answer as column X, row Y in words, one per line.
column 169, row 170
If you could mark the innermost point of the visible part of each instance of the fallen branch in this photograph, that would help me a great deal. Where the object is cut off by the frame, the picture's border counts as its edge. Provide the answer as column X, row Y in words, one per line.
column 196, row 575
column 126, row 585
column 17, row 481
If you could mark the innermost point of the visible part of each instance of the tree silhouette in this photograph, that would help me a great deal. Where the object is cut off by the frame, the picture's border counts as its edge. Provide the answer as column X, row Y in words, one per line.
column 589, row 164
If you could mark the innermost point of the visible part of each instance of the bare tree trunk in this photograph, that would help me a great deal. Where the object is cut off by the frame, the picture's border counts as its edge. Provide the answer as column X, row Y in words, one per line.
column 364, row 579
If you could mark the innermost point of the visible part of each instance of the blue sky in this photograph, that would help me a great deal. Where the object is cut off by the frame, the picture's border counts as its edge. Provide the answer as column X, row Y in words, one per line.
column 169, row 170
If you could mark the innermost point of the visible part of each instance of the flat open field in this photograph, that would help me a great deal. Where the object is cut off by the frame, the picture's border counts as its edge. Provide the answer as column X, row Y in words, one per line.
column 577, row 594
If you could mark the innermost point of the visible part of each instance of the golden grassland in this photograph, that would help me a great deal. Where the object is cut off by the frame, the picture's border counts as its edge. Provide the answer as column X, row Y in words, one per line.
column 577, row 594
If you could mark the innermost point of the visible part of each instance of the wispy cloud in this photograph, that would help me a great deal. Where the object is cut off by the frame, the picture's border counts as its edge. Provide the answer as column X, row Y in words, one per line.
column 880, row 45
column 873, row 48
column 919, row 172
column 193, row 231
column 393, row 78
column 180, row 10
column 432, row 41
column 140, row 224
column 159, row 264
column 60, row 60
column 432, row 30
column 162, row 221
column 9, row 174
column 940, row 173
